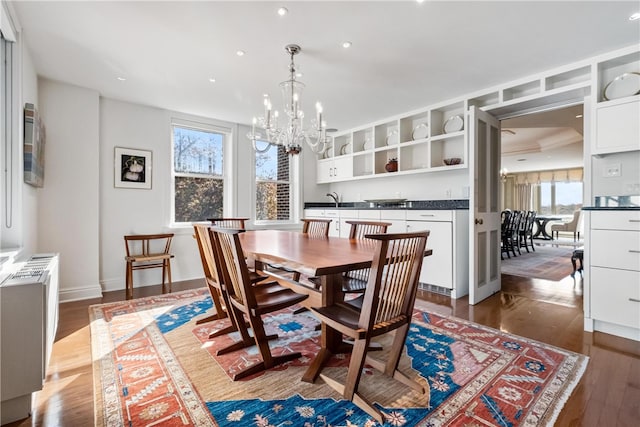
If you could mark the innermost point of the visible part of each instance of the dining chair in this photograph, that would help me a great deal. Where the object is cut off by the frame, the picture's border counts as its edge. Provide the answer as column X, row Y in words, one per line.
column 147, row 251
column 505, row 217
column 212, row 267
column 316, row 227
column 235, row 223
column 525, row 233
column 387, row 306
column 245, row 301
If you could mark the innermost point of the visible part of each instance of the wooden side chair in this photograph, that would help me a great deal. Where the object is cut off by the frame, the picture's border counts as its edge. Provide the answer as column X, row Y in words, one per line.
column 147, row 251
column 235, row 223
column 387, row 306
column 245, row 301
column 356, row 280
column 211, row 265
column 316, row 227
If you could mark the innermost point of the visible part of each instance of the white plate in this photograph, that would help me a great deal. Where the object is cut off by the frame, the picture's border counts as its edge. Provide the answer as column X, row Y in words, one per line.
column 392, row 138
column 368, row 144
column 627, row 84
column 420, row 132
column 453, row 124
column 345, row 149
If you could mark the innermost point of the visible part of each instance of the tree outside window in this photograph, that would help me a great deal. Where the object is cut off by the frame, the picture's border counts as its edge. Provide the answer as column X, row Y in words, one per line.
column 273, row 190
column 198, row 174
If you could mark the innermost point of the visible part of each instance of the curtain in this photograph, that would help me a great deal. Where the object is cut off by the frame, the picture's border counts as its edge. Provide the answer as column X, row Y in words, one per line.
column 522, row 199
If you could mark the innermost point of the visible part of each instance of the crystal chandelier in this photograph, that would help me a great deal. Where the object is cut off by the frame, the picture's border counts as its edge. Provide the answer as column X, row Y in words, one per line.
column 292, row 133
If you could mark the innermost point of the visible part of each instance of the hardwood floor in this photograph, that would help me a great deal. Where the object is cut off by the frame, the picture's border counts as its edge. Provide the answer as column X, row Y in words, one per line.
column 607, row 395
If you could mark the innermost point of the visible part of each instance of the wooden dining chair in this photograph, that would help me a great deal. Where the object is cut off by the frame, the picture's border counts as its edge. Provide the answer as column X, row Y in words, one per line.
column 356, row 280
column 235, row 223
column 245, row 301
column 387, row 306
column 145, row 251
column 212, row 266
column 316, row 227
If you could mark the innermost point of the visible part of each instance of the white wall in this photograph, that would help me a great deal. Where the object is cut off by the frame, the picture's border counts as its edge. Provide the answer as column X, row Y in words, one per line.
column 425, row 186
column 627, row 184
column 29, row 194
column 68, row 203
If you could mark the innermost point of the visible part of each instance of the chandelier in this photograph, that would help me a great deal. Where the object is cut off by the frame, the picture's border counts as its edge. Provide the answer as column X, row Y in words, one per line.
column 292, row 133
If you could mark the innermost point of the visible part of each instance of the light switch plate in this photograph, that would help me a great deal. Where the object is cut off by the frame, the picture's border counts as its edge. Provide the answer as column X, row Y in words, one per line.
column 611, row 170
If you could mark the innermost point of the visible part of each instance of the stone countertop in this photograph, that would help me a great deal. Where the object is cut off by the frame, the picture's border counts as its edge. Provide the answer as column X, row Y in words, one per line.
column 460, row 204
column 611, row 208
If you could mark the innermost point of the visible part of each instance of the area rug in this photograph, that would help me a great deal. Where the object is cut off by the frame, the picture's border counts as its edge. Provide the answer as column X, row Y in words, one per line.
column 547, row 262
column 154, row 366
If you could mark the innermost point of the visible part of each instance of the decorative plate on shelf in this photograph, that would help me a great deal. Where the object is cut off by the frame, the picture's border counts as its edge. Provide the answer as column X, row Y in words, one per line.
column 392, row 137
column 627, row 84
column 345, row 149
column 368, row 144
column 453, row 124
column 420, row 132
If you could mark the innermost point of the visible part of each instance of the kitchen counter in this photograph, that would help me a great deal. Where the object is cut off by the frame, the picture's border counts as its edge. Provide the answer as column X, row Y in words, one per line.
column 611, row 208
column 460, row 204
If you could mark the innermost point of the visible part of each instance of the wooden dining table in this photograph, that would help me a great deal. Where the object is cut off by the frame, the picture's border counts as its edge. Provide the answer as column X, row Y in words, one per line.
column 324, row 257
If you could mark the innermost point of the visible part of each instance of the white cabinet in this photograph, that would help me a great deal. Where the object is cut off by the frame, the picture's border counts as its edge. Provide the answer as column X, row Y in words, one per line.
column 332, row 214
column 334, row 169
column 615, row 272
column 437, row 269
column 617, row 126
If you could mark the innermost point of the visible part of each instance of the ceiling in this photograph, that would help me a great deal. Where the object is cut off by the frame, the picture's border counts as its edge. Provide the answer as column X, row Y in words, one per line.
column 404, row 56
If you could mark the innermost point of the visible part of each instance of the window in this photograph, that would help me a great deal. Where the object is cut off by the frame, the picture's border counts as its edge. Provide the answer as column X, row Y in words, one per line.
column 559, row 198
column 198, row 173
column 273, row 189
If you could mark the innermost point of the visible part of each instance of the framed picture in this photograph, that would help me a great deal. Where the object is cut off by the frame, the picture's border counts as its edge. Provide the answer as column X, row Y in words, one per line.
column 34, row 140
column 132, row 168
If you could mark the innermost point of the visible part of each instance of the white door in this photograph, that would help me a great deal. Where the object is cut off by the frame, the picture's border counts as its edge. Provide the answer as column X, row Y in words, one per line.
column 484, row 227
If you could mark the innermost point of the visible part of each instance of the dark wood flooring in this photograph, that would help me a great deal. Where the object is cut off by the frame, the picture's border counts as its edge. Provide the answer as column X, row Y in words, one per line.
column 551, row 312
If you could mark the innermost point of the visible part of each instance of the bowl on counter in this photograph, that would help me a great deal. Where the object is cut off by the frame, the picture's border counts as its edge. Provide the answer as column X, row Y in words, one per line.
column 452, row 161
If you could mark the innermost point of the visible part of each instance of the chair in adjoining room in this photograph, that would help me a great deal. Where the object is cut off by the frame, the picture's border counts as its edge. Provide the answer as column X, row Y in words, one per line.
column 525, row 234
column 504, row 233
column 235, row 223
column 570, row 227
column 245, row 301
column 387, row 306
column 147, row 251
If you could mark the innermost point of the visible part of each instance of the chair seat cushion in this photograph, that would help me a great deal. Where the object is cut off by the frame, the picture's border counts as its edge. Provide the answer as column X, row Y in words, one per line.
column 276, row 299
column 150, row 257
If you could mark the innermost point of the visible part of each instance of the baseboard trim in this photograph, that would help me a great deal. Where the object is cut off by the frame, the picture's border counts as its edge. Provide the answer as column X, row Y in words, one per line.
column 76, row 294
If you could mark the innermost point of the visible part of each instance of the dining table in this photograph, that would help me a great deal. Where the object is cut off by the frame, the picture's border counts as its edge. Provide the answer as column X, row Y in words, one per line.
column 541, row 224
column 324, row 257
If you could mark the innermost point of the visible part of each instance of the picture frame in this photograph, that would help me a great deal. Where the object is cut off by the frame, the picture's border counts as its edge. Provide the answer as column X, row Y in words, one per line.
column 132, row 168
column 34, row 143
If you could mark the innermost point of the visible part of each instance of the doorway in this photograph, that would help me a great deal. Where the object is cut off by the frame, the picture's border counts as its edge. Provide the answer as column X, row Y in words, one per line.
column 542, row 170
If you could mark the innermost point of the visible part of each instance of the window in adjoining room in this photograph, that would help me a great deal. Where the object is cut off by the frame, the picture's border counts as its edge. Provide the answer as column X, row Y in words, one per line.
column 273, row 189
column 198, row 173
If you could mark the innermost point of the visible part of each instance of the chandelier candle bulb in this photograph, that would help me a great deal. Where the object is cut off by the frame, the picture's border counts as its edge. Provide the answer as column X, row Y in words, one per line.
column 319, row 115
column 295, row 105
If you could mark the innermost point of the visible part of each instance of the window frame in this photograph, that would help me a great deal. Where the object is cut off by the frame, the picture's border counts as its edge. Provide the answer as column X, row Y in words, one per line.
column 227, row 164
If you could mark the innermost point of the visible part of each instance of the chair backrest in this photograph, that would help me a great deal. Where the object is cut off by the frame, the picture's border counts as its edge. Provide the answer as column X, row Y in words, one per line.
column 360, row 228
column 145, row 245
column 393, row 282
column 506, row 219
column 210, row 262
column 514, row 222
column 573, row 224
column 235, row 223
column 531, row 216
column 316, row 227
column 234, row 267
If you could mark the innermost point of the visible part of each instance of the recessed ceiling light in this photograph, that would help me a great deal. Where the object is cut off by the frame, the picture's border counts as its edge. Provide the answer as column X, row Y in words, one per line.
column 212, row 80
column 283, row 11
column 122, row 79
column 346, row 44
column 635, row 16
column 420, row 1
column 331, row 130
column 240, row 52
column 521, row 160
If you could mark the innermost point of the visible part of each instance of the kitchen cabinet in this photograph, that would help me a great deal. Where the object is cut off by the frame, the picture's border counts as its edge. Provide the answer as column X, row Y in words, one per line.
column 615, row 272
column 332, row 214
column 617, row 126
column 334, row 169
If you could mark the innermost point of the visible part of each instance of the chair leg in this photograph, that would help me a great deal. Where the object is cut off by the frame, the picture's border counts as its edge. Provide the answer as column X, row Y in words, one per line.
column 128, row 281
column 169, row 273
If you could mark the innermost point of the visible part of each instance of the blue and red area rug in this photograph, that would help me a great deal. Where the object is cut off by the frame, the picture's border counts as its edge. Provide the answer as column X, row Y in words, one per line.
column 154, row 366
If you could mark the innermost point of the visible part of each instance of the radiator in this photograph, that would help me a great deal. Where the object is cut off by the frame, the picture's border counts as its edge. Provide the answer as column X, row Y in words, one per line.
column 28, row 324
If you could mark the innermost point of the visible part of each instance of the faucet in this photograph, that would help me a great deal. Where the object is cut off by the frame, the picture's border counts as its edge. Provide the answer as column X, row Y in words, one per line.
column 335, row 197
